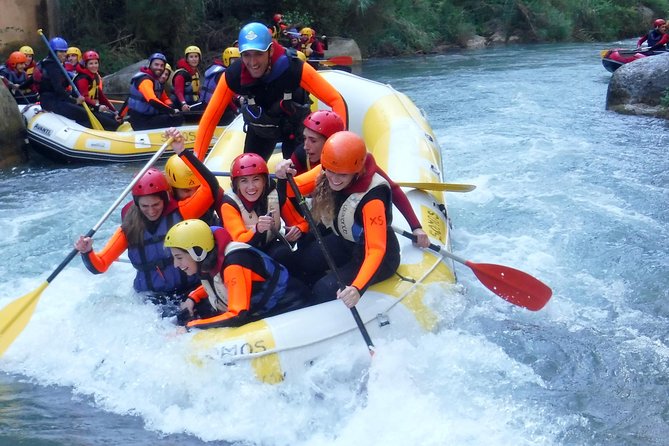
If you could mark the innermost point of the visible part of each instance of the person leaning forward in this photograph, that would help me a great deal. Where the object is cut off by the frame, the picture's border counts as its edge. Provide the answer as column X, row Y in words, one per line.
column 272, row 86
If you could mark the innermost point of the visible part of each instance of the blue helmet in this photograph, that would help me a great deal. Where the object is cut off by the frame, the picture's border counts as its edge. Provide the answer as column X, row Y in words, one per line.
column 254, row 36
column 58, row 44
column 155, row 56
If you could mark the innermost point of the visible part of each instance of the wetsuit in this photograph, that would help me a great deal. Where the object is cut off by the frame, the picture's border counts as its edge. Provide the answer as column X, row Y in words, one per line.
column 155, row 269
column 54, row 94
column 275, row 104
column 89, row 85
column 244, row 285
column 241, row 216
column 186, row 86
column 148, row 104
column 362, row 243
column 399, row 198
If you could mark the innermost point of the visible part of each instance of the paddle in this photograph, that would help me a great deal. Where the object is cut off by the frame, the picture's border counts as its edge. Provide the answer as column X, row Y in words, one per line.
column 94, row 121
column 337, row 60
column 442, row 187
column 18, row 90
column 510, row 284
column 329, row 259
column 15, row 316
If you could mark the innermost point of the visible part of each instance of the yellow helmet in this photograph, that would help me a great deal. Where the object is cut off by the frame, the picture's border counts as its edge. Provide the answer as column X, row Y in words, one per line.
column 74, row 50
column 168, row 67
column 179, row 174
column 28, row 51
column 192, row 49
column 301, row 56
column 308, row 32
column 231, row 52
column 193, row 236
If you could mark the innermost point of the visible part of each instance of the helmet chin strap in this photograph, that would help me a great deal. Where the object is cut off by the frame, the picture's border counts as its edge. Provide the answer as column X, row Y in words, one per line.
column 197, row 258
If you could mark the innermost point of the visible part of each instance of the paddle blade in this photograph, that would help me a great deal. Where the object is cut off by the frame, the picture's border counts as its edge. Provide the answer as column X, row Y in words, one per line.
column 512, row 285
column 15, row 316
column 95, row 123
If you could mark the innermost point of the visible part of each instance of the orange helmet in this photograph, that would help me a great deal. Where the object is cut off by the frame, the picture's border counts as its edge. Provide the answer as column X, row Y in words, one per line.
column 15, row 58
column 344, row 152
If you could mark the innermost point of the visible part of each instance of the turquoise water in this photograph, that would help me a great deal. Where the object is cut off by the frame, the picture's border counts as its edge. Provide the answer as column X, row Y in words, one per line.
column 566, row 191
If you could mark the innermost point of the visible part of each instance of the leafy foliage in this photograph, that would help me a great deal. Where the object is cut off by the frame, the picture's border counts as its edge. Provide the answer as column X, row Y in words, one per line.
column 127, row 30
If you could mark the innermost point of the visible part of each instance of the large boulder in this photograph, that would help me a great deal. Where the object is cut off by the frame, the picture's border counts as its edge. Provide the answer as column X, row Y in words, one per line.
column 340, row 46
column 117, row 85
column 11, row 131
column 637, row 87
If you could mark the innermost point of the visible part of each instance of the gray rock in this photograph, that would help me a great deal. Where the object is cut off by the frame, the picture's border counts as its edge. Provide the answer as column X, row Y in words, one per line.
column 11, row 131
column 117, row 85
column 476, row 42
column 638, row 87
column 339, row 46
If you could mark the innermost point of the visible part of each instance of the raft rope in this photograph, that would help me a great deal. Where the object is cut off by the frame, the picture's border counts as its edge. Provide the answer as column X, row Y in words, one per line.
column 247, row 356
column 128, row 139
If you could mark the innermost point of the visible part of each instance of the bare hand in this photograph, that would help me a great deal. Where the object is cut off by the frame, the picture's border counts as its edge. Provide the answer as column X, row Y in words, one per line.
column 185, row 108
column 83, row 244
column 422, row 239
column 178, row 142
column 284, row 167
column 103, row 108
column 265, row 223
column 293, row 233
column 349, row 295
column 188, row 304
column 80, row 100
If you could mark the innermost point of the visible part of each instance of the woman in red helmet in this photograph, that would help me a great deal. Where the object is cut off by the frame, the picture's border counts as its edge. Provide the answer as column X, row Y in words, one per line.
column 354, row 201
column 318, row 127
column 252, row 211
column 146, row 220
column 89, row 83
column 657, row 38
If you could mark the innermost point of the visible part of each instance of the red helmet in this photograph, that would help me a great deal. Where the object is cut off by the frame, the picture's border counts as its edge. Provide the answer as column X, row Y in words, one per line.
column 153, row 182
column 16, row 57
column 278, row 18
column 324, row 122
column 248, row 164
column 90, row 55
column 658, row 22
column 344, row 152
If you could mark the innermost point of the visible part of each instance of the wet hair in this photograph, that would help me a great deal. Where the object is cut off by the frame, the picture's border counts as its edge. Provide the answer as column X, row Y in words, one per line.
column 135, row 223
column 323, row 202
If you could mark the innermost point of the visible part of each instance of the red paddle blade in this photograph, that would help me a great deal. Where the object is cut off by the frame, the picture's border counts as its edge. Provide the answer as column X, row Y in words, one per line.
column 512, row 285
column 340, row 60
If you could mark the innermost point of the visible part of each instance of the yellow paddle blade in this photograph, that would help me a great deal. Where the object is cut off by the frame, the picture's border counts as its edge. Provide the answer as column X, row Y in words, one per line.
column 15, row 316
column 95, row 123
column 445, row 187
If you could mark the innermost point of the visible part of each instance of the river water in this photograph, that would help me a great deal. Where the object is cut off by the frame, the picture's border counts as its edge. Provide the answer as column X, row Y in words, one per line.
column 566, row 191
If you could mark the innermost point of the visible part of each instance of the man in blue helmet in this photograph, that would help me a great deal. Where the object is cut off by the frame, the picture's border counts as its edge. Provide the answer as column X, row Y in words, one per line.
column 275, row 95
column 53, row 86
column 149, row 107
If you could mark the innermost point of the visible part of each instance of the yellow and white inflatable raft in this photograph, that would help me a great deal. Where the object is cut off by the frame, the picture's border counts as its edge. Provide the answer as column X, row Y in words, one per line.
column 403, row 144
column 62, row 139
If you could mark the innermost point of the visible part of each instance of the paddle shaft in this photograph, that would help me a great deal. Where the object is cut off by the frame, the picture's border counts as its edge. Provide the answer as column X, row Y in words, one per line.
column 329, row 260
column 55, row 57
column 512, row 285
column 111, row 209
column 441, row 187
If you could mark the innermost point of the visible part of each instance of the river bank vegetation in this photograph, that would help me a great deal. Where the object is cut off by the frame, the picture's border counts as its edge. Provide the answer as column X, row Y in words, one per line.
column 127, row 30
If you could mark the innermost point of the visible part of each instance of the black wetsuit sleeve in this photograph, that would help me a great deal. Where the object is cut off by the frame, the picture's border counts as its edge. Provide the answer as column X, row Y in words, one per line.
column 85, row 257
